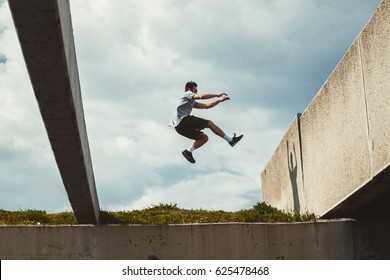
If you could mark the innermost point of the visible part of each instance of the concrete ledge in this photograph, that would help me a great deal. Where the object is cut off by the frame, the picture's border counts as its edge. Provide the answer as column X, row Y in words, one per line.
column 45, row 33
column 341, row 239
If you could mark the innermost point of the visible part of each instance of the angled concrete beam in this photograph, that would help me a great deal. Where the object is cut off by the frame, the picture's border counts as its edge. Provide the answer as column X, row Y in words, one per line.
column 45, row 33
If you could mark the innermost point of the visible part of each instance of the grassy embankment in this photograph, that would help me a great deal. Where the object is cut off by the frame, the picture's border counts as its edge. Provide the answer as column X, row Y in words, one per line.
column 159, row 214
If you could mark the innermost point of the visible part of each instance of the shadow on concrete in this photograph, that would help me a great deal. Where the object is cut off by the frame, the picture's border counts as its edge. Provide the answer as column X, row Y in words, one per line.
column 108, row 218
column 293, row 171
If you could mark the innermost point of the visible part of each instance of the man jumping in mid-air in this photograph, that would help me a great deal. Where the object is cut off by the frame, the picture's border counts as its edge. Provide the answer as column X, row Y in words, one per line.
column 191, row 126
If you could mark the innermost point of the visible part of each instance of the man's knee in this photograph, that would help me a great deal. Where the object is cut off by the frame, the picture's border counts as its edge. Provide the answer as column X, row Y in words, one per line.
column 204, row 137
column 210, row 124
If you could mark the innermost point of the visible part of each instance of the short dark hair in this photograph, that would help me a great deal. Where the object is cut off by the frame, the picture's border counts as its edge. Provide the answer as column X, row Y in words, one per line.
column 190, row 85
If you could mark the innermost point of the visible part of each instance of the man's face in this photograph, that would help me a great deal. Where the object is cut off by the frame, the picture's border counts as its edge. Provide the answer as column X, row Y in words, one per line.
column 195, row 90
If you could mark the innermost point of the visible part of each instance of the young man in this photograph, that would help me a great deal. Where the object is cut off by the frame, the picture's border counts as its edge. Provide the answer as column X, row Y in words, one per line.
column 191, row 126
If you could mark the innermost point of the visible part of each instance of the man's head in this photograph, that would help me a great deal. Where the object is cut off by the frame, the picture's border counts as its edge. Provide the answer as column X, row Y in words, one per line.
column 191, row 86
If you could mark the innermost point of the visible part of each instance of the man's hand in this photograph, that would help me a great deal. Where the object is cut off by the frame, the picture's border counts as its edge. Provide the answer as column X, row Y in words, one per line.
column 224, row 97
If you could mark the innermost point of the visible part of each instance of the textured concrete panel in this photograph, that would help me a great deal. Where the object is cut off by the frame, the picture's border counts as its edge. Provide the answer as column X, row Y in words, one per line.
column 370, row 199
column 341, row 239
column 345, row 133
column 375, row 49
column 282, row 184
column 334, row 137
column 45, row 33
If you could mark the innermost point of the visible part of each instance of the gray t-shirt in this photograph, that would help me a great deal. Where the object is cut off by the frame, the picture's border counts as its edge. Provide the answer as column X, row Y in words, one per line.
column 184, row 107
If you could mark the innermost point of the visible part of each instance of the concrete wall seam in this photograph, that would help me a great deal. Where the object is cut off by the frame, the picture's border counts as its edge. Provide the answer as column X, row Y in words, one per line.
column 369, row 138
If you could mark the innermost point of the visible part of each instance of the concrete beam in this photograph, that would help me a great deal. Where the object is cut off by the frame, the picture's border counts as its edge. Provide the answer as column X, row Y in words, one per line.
column 44, row 28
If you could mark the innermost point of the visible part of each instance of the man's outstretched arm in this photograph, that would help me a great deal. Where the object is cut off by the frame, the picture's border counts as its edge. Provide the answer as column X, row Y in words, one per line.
column 208, row 95
column 211, row 104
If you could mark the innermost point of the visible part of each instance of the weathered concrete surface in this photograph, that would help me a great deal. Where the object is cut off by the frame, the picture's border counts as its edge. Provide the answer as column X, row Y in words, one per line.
column 334, row 137
column 45, row 33
column 341, row 239
column 375, row 55
column 373, row 198
column 285, row 171
column 345, row 133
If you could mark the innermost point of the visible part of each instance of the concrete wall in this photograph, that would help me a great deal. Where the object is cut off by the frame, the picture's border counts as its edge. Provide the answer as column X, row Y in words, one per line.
column 334, row 136
column 345, row 133
column 375, row 56
column 342, row 239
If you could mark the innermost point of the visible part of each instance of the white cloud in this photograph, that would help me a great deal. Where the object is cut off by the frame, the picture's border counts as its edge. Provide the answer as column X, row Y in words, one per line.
column 219, row 190
column 134, row 58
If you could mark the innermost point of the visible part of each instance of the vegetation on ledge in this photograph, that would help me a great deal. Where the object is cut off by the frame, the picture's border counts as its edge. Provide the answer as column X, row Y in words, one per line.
column 261, row 212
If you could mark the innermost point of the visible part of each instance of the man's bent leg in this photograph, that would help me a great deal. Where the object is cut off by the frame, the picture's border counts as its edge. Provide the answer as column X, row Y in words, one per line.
column 201, row 141
column 214, row 128
column 231, row 140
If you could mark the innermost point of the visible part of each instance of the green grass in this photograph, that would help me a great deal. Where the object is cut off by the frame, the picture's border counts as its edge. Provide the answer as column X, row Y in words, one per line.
column 159, row 214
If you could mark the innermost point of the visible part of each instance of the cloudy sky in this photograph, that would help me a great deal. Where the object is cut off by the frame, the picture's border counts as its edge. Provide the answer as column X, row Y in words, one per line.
column 134, row 58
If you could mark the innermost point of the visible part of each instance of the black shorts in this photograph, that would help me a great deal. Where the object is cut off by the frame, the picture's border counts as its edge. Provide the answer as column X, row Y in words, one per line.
column 191, row 127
